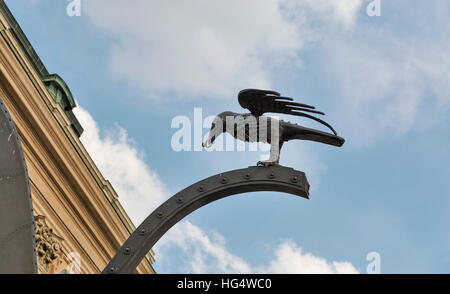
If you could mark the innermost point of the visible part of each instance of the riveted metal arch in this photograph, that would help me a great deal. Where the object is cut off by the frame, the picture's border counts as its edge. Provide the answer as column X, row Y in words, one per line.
column 17, row 244
column 252, row 179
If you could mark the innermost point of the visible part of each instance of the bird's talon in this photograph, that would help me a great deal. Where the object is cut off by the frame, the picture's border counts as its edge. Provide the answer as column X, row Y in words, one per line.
column 267, row 163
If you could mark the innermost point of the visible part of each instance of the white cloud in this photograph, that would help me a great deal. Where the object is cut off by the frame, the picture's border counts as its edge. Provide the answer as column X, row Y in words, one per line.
column 389, row 83
column 203, row 253
column 291, row 259
column 139, row 188
column 345, row 10
column 342, row 12
column 211, row 48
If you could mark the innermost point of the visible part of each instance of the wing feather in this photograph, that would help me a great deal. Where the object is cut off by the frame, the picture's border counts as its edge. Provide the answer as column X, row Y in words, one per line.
column 263, row 101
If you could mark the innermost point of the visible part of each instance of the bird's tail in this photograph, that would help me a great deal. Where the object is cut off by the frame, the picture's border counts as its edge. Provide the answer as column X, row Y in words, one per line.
column 302, row 133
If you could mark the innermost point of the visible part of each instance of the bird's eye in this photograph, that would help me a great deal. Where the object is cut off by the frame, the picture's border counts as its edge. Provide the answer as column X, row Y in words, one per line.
column 213, row 126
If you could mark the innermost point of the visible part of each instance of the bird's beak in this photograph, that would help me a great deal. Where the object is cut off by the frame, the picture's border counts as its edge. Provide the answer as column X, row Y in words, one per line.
column 208, row 143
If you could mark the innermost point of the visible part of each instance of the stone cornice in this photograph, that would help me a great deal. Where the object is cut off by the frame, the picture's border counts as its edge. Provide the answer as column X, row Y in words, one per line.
column 23, row 40
column 51, row 131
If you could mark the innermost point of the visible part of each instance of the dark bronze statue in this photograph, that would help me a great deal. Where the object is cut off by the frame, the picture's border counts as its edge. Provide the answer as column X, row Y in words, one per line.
column 255, row 127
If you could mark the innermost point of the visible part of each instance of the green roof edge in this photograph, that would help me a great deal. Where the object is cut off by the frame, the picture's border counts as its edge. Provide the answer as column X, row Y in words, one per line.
column 40, row 68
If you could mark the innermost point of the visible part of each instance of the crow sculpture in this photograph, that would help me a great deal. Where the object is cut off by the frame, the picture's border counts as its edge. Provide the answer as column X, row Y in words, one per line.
column 255, row 127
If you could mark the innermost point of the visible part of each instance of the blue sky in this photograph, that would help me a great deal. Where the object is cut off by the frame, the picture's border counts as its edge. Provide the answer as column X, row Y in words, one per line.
column 384, row 82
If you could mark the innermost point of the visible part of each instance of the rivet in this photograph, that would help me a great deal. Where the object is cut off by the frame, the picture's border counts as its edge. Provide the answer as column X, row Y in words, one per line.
column 160, row 214
column 112, row 269
column 127, row 251
column 224, row 180
column 271, row 176
column 142, row 232
column 247, row 176
column 294, row 179
column 180, row 200
column 201, row 189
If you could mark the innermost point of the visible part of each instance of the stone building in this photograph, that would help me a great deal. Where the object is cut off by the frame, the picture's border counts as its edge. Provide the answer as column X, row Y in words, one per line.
column 79, row 223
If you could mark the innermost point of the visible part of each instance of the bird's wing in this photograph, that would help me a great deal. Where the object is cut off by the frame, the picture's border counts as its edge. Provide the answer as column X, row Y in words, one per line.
column 262, row 101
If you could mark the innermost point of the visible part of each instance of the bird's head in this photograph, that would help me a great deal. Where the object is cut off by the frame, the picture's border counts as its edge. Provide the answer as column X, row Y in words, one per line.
column 217, row 128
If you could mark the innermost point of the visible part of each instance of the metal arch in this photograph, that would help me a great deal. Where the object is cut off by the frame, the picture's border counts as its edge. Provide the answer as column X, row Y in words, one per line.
column 17, row 243
column 252, row 179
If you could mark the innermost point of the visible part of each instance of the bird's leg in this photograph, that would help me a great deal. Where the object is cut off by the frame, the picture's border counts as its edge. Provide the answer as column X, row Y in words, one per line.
column 275, row 144
column 274, row 158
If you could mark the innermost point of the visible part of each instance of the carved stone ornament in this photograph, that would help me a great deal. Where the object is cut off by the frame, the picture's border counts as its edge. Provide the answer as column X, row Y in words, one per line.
column 48, row 244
